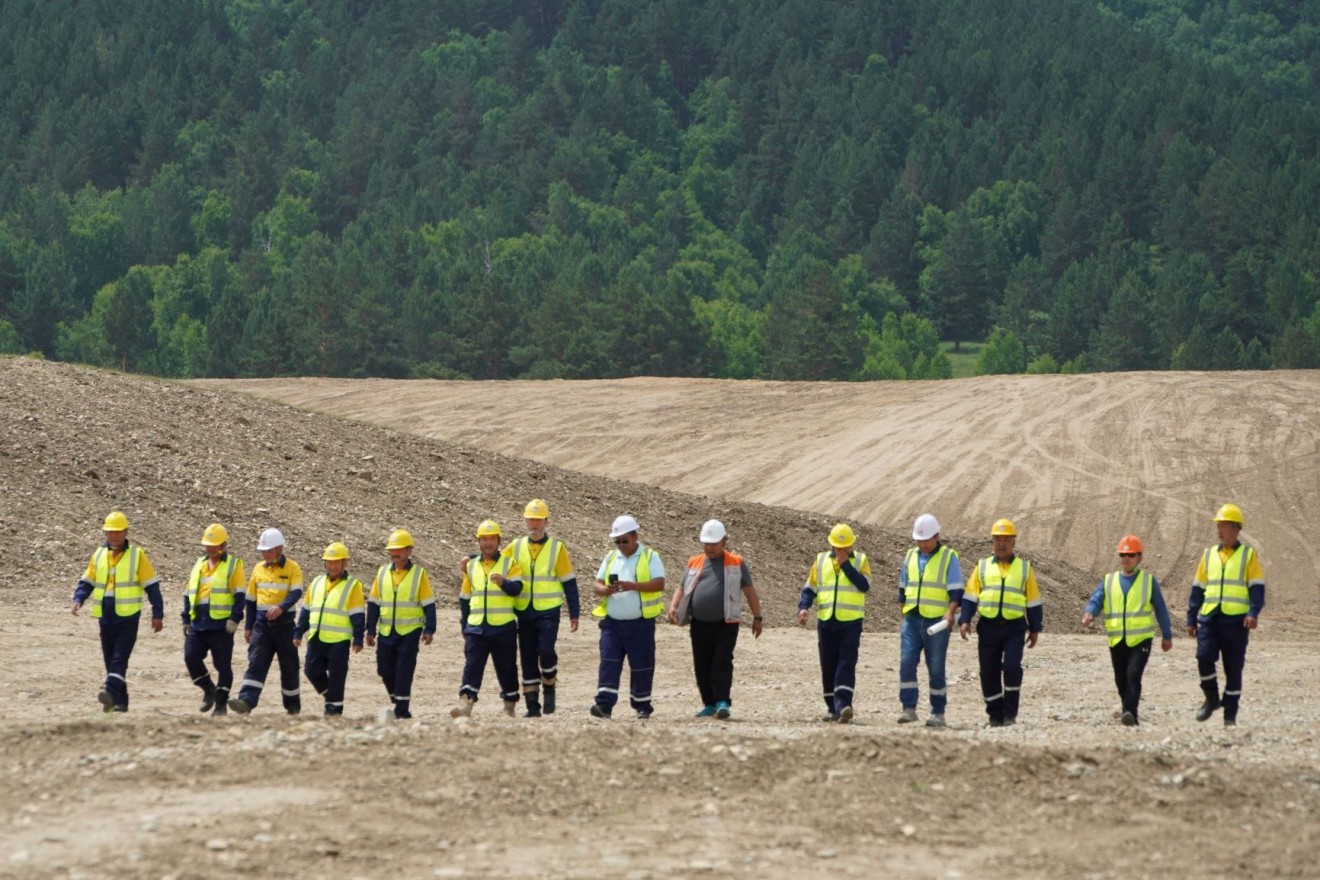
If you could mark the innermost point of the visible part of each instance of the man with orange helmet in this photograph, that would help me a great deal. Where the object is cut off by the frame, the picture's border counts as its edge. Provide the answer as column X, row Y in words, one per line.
column 1228, row 594
column 1132, row 603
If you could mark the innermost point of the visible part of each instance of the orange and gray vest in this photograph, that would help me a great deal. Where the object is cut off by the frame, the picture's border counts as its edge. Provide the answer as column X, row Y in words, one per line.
column 732, row 586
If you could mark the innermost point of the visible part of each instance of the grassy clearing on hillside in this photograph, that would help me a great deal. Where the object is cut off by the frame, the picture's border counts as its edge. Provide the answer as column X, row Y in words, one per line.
column 964, row 362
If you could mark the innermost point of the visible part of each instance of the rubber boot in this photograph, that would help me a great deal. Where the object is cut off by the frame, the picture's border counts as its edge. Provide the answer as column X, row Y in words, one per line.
column 221, row 698
column 1211, row 701
column 548, row 703
column 533, row 705
column 208, row 695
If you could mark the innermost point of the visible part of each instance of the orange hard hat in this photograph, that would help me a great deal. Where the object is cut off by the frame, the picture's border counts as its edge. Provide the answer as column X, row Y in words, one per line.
column 1131, row 544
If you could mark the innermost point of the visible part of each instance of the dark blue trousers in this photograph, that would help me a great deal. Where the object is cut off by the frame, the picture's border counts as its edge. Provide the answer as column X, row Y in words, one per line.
column 1222, row 636
column 838, row 644
column 118, row 636
column 220, row 645
column 327, row 670
column 396, row 663
column 271, row 640
column 633, row 640
column 537, row 633
column 499, row 644
column 999, row 646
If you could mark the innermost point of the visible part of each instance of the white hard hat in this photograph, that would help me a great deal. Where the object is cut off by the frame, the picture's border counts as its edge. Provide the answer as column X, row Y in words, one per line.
column 623, row 525
column 270, row 539
column 712, row 532
column 925, row 528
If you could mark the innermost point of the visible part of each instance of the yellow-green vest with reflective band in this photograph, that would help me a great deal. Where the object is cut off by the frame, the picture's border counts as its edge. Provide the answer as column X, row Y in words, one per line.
column 489, row 604
column 328, row 616
column 652, row 602
column 928, row 590
column 128, row 592
column 836, row 597
column 400, row 609
column 1006, row 596
column 1226, row 582
column 541, row 586
column 222, row 597
column 1129, row 618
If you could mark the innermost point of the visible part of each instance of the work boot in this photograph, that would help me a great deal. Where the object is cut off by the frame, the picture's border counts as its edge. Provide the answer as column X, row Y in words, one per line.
column 845, row 714
column 239, row 706
column 208, row 696
column 221, row 700
column 511, row 708
column 463, row 709
column 533, row 706
column 1129, row 719
column 333, row 711
column 1207, row 708
column 549, row 700
column 600, row 710
column 936, row 719
column 1230, row 720
column 107, row 702
column 907, row 716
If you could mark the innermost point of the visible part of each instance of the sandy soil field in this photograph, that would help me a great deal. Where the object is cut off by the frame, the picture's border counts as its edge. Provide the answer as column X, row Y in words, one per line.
column 165, row 792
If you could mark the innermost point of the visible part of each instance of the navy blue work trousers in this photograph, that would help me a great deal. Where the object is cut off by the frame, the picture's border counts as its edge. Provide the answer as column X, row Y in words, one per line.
column 272, row 639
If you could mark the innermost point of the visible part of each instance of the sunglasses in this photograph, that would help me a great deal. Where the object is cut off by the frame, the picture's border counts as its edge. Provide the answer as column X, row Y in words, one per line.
column 623, row 539
column 1127, row 555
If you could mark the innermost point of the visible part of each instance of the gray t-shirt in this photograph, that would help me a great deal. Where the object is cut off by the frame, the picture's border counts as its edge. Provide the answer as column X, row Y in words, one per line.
column 708, row 597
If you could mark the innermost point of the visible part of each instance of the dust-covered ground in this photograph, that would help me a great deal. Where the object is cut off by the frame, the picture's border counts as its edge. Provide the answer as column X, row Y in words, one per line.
column 166, row 792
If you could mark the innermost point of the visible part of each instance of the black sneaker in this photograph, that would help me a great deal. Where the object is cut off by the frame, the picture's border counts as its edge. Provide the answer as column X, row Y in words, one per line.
column 1207, row 709
column 600, row 710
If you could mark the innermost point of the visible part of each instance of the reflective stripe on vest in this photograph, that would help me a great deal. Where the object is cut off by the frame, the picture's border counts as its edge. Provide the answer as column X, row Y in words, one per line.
column 489, row 604
column 400, row 610
column 542, row 588
column 1129, row 618
column 930, row 596
column 222, row 597
column 128, row 592
column 652, row 602
column 1226, row 582
column 327, row 606
column 836, row 597
column 1007, row 598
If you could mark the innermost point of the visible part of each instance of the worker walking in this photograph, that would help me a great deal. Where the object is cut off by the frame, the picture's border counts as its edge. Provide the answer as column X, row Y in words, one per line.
column 1228, row 594
column 117, row 577
column 710, row 603
column 631, row 587
column 930, row 590
column 333, row 616
column 837, row 585
column 402, row 607
column 491, row 582
column 1132, row 604
column 213, row 607
column 548, row 584
column 273, row 592
column 1003, row 590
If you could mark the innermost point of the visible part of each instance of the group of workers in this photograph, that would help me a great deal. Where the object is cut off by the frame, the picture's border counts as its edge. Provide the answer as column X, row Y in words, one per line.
column 514, row 596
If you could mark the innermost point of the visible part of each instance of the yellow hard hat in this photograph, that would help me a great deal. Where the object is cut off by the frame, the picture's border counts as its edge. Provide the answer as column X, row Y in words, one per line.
column 1004, row 527
column 115, row 521
column 215, row 535
column 536, row 509
column 1229, row 513
column 487, row 528
column 334, row 551
column 842, row 536
column 399, row 538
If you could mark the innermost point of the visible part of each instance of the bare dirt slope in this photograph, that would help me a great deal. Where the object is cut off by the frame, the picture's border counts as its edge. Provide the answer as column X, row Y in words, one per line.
column 1076, row 461
column 165, row 792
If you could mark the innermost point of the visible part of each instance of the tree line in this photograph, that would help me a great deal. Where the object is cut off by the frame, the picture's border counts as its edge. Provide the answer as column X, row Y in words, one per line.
column 603, row 188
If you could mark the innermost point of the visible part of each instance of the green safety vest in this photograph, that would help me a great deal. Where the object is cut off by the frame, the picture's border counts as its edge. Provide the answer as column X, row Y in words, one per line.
column 222, row 597
column 128, row 592
column 1226, row 582
column 928, row 590
column 489, row 604
column 542, row 589
column 328, row 616
column 1008, row 597
column 400, row 609
column 652, row 602
column 1129, row 618
column 836, row 597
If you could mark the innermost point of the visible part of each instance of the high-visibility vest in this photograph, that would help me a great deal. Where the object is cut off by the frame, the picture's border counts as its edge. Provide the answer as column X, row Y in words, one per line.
column 128, row 592
column 652, row 602
column 928, row 589
column 1006, row 596
column 1226, row 582
column 328, row 616
column 1129, row 618
column 222, row 597
column 733, row 585
column 542, row 589
column 400, row 609
column 836, row 597
column 489, row 604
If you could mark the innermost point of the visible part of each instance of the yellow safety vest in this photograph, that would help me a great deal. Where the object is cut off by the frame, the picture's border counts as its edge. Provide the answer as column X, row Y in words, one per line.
column 489, row 604
column 542, row 589
column 1129, row 618
column 928, row 590
column 400, row 609
column 328, row 616
column 836, row 597
column 652, row 602
column 1006, row 599
column 222, row 597
column 128, row 592
column 1226, row 582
